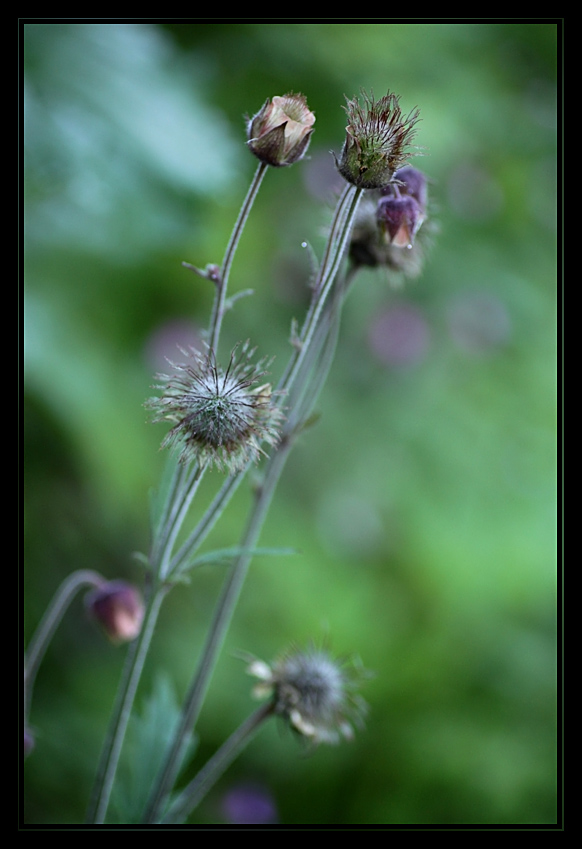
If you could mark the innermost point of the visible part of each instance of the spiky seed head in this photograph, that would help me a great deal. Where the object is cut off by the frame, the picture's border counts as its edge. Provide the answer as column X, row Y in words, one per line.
column 377, row 140
column 313, row 692
column 220, row 416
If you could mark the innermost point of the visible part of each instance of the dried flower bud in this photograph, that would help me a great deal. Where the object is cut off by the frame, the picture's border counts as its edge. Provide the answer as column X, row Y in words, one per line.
column 220, row 417
column 279, row 133
column 377, row 141
column 118, row 607
column 313, row 692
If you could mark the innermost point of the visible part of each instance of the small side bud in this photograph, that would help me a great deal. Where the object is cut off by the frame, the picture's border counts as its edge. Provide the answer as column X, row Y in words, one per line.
column 412, row 182
column 280, row 132
column 399, row 220
column 118, row 608
column 393, row 227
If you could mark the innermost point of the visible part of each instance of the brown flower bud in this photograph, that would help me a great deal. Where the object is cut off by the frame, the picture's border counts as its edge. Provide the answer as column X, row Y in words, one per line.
column 279, row 133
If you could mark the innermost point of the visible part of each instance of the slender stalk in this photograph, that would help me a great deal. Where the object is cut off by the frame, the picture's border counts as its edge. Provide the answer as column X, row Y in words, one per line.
column 315, row 369
column 222, row 282
column 217, row 632
column 338, row 239
column 181, row 480
column 179, row 514
column 122, row 709
column 307, row 352
column 49, row 623
column 182, row 490
column 207, row 522
column 195, row 791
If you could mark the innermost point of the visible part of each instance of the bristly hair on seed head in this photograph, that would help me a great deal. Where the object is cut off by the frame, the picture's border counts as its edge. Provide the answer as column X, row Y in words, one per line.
column 221, row 417
column 377, row 140
column 315, row 693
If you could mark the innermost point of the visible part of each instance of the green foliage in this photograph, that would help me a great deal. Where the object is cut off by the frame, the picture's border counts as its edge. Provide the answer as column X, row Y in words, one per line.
column 149, row 735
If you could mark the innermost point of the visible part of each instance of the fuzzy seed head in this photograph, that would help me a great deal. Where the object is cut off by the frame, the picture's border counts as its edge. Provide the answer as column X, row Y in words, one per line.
column 220, row 417
column 377, row 141
column 313, row 692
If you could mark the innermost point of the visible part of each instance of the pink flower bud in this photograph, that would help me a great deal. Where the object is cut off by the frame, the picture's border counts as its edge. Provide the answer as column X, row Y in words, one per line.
column 118, row 607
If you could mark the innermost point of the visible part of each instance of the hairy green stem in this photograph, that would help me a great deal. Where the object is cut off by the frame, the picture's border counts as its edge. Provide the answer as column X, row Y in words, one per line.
column 182, row 490
column 331, row 263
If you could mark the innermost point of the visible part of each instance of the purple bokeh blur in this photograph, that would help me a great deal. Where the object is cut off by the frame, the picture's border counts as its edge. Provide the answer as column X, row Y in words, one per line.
column 249, row 803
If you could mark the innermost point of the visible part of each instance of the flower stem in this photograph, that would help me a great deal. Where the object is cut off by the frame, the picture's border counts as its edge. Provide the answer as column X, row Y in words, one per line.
column 121, row 712
column 222, row 282
column 217, row 632
column 195, row 791
column 331, row 263
column 49, row 623
column 182, row 490
column 340, row 231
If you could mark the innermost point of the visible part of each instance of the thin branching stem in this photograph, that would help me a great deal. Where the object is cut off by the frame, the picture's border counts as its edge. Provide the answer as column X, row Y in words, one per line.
column 217, row 632
column 334, row 253
column 182, row 490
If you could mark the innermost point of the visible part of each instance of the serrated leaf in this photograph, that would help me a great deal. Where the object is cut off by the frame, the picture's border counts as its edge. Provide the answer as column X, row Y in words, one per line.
column 149, row 736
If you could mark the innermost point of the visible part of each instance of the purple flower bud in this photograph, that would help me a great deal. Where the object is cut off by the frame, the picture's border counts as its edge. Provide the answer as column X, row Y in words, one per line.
column 118, row 607
column 411, row 181
column 399, row 219
column 280, row 132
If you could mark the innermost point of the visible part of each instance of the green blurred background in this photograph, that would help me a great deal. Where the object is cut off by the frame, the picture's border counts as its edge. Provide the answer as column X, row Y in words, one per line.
column 423, row 503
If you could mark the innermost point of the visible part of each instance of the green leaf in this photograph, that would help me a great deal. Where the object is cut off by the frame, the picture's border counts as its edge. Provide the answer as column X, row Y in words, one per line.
column 223, row 555
column 149, row 736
